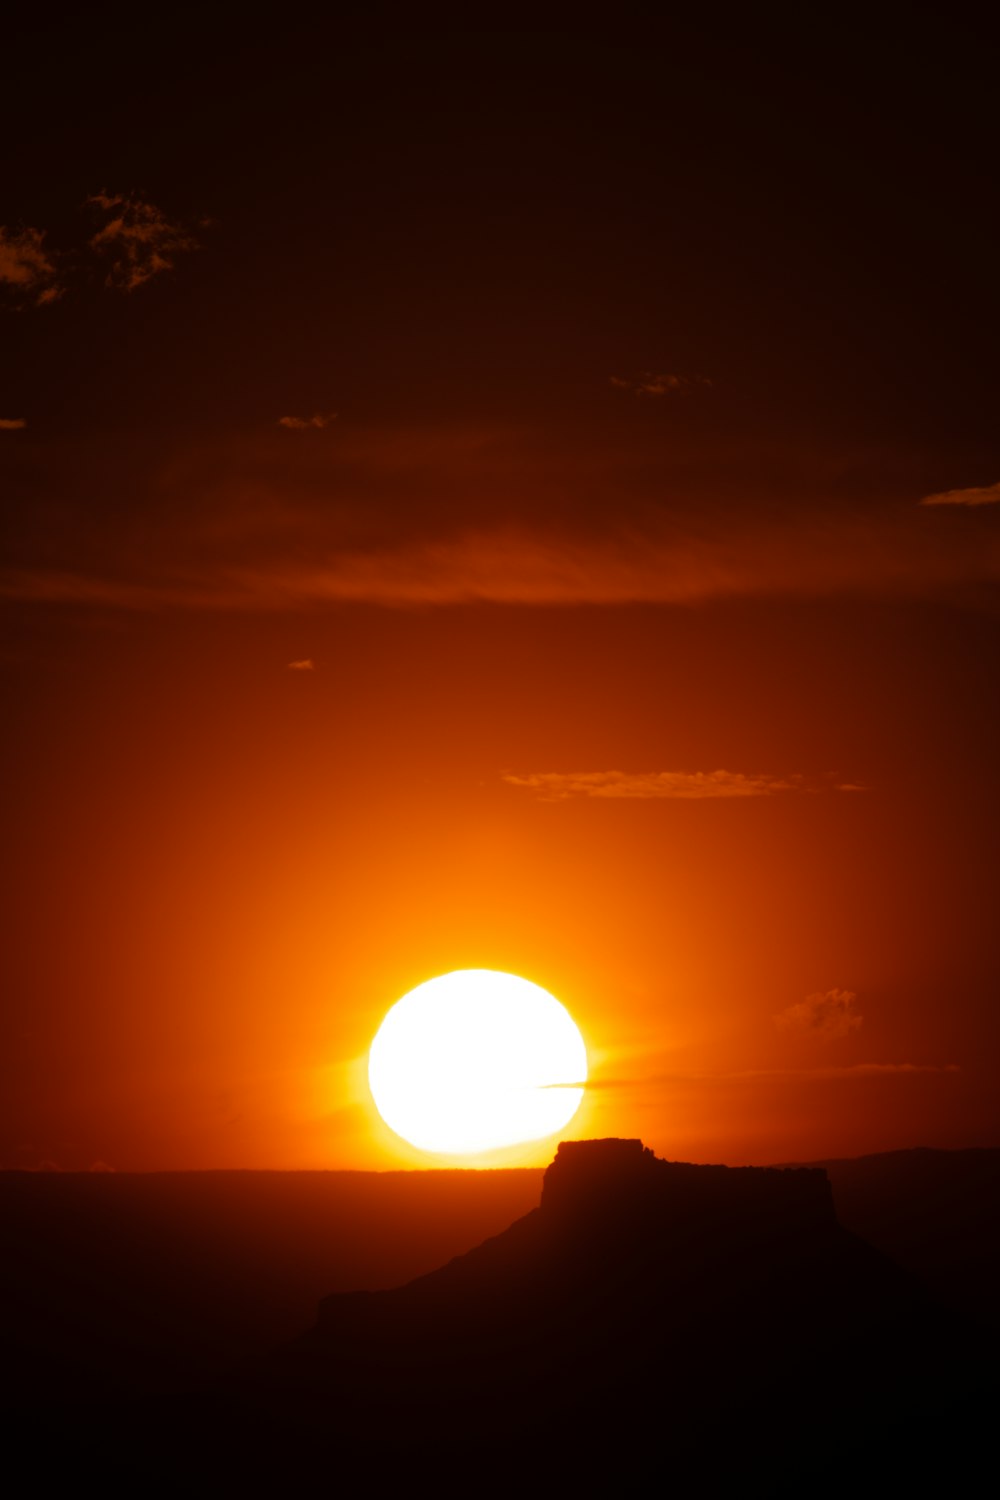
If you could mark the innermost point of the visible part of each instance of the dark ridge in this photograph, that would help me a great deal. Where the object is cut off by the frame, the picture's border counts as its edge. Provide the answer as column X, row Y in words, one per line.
column 715, row 1326
column 127, row 1285
column 937, row 1213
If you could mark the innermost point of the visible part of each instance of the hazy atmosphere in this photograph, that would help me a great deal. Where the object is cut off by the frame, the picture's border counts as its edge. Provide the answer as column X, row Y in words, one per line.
column 498, row 499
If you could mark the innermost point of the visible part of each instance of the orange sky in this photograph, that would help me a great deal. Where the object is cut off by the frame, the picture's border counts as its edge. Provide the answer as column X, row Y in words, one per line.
column 471, row 527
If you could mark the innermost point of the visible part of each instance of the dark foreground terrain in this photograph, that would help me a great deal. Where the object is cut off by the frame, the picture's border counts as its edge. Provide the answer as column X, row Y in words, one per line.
column 786, row 1329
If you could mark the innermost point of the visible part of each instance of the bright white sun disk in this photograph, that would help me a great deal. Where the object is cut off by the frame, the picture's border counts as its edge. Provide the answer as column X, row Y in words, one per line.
column 474, row 1060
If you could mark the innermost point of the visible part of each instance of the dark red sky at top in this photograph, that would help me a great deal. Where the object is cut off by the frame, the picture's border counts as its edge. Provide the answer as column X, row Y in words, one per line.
column 566, row 404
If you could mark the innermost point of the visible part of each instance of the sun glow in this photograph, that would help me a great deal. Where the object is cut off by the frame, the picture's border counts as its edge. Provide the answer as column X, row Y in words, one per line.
column 476, row 1060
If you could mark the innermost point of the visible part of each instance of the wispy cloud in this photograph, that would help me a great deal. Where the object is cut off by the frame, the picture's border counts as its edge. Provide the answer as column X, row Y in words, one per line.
column 850, row 1070
column 510, row 566
column 137, row 238
column 44, row 586
column 435, row 517
column 875, row 1070
column 306, row 665
column 27, row 270
column 828, row 1014
column 833, row 1072
column 649, row 384
column 986, row 495
column 303, row 424
column 559, row 786
column 13, row 424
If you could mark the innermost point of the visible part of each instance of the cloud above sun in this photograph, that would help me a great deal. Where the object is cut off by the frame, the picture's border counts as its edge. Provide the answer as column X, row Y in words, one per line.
column 560, row 786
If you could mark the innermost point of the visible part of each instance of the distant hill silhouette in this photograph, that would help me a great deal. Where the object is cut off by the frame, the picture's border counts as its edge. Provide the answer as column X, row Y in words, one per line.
column 123, row 1285
column 714, row 1326
column 937, row 1213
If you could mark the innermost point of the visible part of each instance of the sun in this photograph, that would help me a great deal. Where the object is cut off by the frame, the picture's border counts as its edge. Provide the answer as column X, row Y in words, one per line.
column 475, row 1060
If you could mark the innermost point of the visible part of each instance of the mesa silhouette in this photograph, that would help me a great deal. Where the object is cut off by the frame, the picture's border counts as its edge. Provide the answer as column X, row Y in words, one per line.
column 718, row 1315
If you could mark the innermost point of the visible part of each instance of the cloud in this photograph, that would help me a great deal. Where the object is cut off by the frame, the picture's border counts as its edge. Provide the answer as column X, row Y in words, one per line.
column 302, row 424
column 849, row 1071
column 138, row 239
column 306, row 665
column 987, row 495
column 26, row 269
column 512, row 565
column 828, row 1013
column 421, row 517
column 874, row 1070
column 648, row 384
column 13, row 424
column 559, row 786
column 100, row 1167
column 832, row 1072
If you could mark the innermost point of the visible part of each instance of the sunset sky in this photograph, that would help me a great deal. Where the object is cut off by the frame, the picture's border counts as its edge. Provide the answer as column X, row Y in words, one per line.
column 518, row 499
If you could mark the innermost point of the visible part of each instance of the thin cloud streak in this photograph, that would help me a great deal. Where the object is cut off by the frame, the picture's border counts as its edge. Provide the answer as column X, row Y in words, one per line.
column 986, row 495
column 852, row 1070
column 688, row 786
column 846, row 1071
column 516, row 568
column 407, row 518
column 13, row 424
column 648, row 384
column 55, row 587
column 318, row 420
